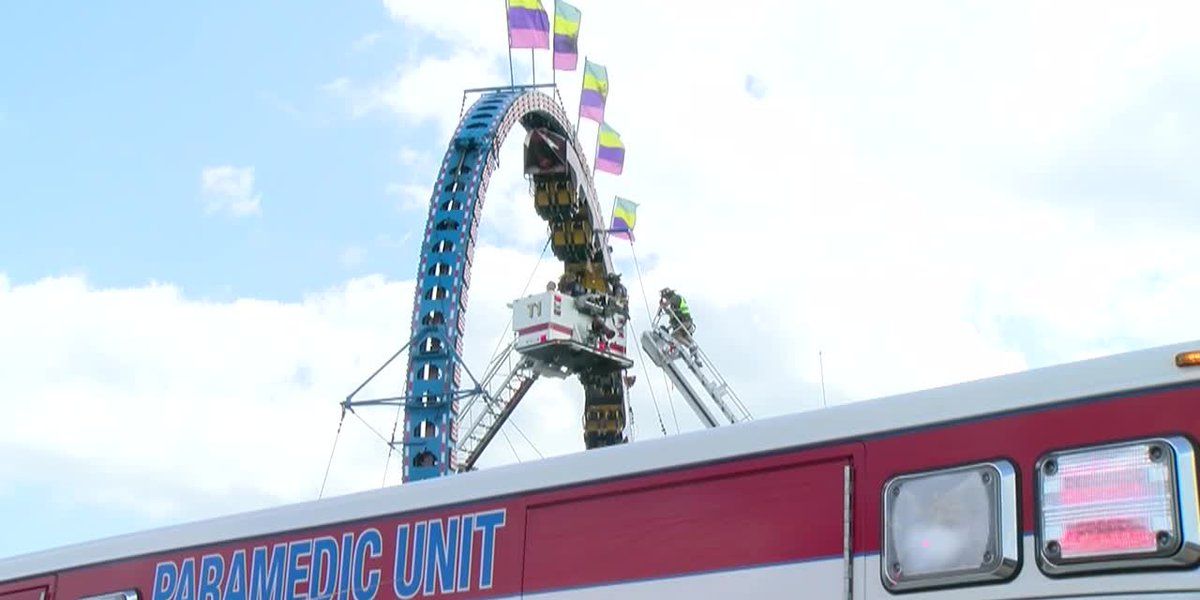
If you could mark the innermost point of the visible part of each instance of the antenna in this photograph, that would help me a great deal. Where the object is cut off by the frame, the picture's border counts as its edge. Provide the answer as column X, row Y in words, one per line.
column 821, row 362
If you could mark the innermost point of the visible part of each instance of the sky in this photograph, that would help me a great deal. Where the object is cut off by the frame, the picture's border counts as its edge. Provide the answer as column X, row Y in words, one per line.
column 211, row 217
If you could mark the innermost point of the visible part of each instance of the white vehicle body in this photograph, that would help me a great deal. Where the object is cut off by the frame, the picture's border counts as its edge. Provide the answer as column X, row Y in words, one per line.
column 554, row 327
column 784, row 507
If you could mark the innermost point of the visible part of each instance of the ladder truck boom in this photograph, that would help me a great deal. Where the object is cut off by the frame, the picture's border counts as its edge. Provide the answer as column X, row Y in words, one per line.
column 670, row 347
column 661, row 354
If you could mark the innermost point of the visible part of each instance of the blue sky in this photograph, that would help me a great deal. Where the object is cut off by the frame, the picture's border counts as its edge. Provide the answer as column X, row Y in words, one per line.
column 211, row 213
column 112, row 110
column 108, row 114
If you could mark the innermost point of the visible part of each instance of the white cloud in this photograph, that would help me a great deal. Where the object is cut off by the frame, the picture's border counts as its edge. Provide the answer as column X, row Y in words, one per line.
column 284, row 106
column 474, row 24
column 338, row 86
column 860, row 199
column 366, row 41
column 408, row 157
column 857, row 199
column 206, row 399
column 230, row 190
column 353, row 256
column 425, row 90
column 211, row 407
column 233, row 402
column 412, row 197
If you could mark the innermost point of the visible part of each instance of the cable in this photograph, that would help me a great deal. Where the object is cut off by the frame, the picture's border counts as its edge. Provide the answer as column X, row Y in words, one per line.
column 392, row 444
column 391, row 448
column 510, row 445
column 632, row 417
column 528, row 282
column 329, row 465
column 646, row 374
column 513, row 422
column 646, row 303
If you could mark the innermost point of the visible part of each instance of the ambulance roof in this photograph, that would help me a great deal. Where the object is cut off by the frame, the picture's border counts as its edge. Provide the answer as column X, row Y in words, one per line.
column 1007, row 393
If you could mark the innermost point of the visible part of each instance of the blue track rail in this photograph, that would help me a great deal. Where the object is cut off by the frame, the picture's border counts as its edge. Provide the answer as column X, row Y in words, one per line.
column 435, row 374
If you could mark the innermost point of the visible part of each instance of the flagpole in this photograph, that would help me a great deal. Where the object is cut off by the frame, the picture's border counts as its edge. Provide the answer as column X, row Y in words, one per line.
column 596, row 156
column 512, row 77
column 549, row 45
column 579, row 115
column 612, row 213
column 553, row 22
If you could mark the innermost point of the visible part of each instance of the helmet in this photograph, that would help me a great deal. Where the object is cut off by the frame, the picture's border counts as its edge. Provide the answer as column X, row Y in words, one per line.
column 666, row 292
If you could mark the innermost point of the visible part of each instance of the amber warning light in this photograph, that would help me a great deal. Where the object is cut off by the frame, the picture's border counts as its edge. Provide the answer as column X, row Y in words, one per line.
column 1188, row 359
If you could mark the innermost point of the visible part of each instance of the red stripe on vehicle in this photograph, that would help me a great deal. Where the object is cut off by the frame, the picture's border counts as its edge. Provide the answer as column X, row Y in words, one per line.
column 533, row 328
column 780, row 507
column 717, row 523
column 544, row 327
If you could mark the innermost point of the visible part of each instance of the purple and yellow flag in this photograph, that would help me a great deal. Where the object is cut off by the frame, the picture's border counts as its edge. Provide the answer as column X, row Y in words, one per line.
column 623, row 219
column 566, row 36
column 610, row 153
column 528, row 25
column 595, row 91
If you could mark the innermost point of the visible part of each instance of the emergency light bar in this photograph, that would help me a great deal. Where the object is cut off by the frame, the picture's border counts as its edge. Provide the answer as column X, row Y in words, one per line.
column 950, row 527
column 1118, row 506
column 1188, row 359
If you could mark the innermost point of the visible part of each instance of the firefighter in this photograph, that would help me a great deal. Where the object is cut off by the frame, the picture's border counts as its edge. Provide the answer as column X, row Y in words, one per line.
column 619, row 294
column 615, row 285
column 569, row 285
column 682, row 325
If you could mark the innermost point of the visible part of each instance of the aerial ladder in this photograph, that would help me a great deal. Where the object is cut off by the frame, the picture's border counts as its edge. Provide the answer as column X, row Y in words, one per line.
column 672, row 348
column 504, row 385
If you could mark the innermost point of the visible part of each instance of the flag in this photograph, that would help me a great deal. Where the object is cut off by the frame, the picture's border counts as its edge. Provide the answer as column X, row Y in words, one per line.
column 528, row 25
column 610, row 155
column 595, row 91
column 566, row 36
column 623, row 218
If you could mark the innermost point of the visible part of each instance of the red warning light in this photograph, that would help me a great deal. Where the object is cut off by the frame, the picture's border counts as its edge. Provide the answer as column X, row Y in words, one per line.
column 1108, row 502
column 1108, row 536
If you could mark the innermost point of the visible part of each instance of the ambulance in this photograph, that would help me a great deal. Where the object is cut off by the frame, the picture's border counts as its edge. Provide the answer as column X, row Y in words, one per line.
column 1072, row 481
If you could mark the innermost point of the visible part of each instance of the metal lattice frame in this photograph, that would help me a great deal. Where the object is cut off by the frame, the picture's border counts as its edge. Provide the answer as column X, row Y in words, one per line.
column 444, row 276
